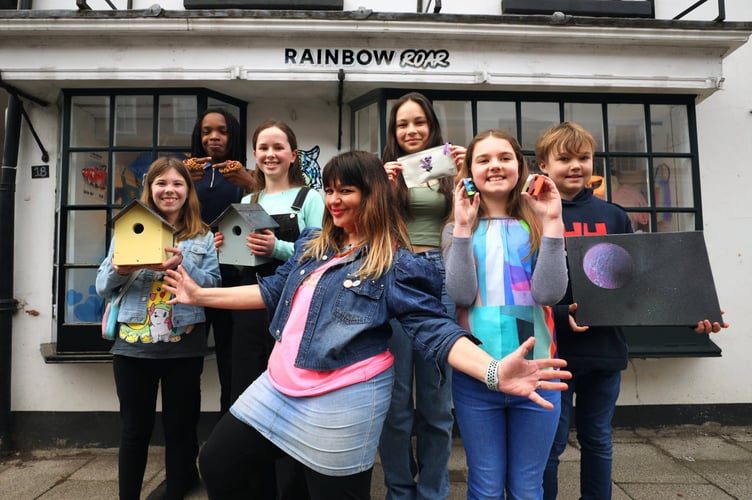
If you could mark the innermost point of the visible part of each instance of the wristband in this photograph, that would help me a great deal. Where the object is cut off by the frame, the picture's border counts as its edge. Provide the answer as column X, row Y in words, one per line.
column 492, row 375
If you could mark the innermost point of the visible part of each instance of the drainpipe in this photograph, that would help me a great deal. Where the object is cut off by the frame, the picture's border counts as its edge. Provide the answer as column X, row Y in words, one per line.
column 7, row 302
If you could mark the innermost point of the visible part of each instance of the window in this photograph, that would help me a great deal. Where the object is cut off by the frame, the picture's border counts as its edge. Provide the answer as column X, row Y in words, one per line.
column 607, row 8
column 265, row 4
column 109, row 141
column 645, row 160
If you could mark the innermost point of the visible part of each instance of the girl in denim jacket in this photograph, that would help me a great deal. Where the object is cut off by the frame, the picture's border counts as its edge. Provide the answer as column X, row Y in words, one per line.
column 158, row 343
column 325, row 394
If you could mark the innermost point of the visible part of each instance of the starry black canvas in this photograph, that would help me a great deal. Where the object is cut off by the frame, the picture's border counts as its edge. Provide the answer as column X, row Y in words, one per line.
column 642, row 279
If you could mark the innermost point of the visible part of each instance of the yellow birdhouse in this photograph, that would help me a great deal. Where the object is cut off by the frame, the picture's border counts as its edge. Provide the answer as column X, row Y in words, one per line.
column 141, row 236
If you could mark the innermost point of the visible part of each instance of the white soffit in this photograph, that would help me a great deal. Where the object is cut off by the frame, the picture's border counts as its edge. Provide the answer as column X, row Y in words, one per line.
column 484, row 55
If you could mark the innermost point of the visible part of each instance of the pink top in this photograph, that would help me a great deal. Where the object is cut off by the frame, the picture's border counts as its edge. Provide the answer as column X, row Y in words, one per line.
column 298, row 382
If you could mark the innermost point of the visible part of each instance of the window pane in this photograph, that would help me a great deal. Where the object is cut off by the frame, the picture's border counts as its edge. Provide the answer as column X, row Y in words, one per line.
column 588, row 115
column 134, row 117
column 85, row 238
column 498, row 115
column 537, row 117
column 626, row 128
column 177, row 116
column 90, row 121
column 629, row 184
column 673, row 182
column 532, row 164
column 130, row 168
column 676, row 222
column 367, row 129
column 216, row 103
column 670, row 128
column 87, row 183
column 598, row 179
column 456, row 119
column 82, row 304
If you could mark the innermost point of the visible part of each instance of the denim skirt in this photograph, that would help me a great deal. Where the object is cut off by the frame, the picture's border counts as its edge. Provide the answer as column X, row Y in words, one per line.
column 336, row 434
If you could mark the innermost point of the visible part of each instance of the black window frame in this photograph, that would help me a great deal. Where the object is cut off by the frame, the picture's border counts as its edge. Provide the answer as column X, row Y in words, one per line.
column 597, row 8
column 81, row 342
column 643, row 342
column 265, row 4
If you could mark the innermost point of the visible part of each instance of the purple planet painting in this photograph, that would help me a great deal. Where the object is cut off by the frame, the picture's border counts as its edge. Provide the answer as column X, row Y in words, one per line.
column 608, row 266
column 642, row 279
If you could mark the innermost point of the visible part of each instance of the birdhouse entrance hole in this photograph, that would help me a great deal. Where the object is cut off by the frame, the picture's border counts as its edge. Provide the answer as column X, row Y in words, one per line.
column 138, row 228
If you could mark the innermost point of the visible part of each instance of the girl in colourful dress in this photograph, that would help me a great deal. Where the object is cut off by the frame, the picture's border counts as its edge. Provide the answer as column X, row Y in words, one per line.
column 505, row 267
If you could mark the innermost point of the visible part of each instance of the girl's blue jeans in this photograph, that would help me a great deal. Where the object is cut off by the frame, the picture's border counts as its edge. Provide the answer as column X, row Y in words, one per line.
column 507, row 439
column 428, row 411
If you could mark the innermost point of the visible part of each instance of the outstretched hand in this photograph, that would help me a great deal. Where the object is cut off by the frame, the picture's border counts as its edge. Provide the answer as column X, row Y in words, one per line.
column 521, row 377
column 181, row 286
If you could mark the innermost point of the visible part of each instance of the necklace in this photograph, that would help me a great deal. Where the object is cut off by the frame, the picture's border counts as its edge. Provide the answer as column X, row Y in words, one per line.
column 346, row 249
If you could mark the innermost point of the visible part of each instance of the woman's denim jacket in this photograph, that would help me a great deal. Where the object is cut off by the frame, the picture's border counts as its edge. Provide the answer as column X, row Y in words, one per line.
column 348, row 319
column 199, row 260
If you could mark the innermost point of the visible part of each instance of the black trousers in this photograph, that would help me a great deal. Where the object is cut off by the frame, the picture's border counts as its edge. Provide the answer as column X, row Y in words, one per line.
column 221, row 323
column 137, row 381
column 236, row 455
column 252, row 345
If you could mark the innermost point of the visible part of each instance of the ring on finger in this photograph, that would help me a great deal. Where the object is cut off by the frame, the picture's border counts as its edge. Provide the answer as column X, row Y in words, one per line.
column 538, row 386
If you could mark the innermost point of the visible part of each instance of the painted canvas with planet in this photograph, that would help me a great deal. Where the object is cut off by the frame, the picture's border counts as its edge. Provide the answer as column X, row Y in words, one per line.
column 642, row 279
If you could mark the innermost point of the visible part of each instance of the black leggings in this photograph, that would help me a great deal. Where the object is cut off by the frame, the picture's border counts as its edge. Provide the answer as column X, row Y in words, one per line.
column 137, row 381
column 236, row 453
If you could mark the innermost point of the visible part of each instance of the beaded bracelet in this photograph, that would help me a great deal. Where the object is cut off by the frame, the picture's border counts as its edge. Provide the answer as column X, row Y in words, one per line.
column 492, row 375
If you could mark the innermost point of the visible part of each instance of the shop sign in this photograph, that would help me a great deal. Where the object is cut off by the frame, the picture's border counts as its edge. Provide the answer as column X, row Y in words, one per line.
column 404, row 58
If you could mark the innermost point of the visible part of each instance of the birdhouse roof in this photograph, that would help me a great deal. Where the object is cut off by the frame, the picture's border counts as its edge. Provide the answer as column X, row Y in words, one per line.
column 135, row 203
column 253, row 213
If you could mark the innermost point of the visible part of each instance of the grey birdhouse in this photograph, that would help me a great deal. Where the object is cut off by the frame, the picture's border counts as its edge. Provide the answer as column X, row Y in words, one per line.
column 236, row 223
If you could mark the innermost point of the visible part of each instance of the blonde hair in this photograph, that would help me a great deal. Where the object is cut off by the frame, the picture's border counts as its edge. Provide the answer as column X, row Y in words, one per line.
column 566, row 137
column 379, row 221
column 189, row 223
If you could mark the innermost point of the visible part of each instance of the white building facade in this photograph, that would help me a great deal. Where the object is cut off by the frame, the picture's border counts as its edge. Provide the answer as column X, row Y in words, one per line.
column 106, row 90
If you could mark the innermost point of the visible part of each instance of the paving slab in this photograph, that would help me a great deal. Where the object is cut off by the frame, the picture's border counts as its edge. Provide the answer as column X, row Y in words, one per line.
column 457, row 463
column 31, row 479
column 640, row 463
column 616, row 494
column 101, row 468
column 628, row 436
column 741, row 434
column 683, row 462
column 646, row 491
column 693, row 448
column 735, row 478
column 706, row 429
column 81, row 490
column 569, row 478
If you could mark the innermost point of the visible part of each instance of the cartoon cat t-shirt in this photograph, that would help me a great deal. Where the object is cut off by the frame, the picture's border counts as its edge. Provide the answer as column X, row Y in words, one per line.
column 158, row 326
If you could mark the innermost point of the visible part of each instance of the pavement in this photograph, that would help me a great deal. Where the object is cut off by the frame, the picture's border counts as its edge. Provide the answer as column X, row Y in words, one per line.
column 693, row 462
